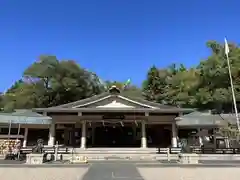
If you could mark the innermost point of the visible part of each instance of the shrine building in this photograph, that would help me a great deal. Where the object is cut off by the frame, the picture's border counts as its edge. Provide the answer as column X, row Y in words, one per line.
column 111, row 119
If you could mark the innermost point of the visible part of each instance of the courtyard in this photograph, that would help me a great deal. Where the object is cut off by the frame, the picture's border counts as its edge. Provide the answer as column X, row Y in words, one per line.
column 119, row 171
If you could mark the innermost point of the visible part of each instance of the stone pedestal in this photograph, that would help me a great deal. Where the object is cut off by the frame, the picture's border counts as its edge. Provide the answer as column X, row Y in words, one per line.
column 78, row 159
column 188, row 158
column 34, row 158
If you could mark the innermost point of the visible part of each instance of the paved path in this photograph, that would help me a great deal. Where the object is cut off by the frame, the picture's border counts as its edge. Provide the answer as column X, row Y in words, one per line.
column 120, row 171
column 72, row 173
column 112, row 171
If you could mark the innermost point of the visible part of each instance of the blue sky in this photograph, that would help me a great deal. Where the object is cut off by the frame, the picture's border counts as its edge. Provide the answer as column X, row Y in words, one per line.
column 117, row 39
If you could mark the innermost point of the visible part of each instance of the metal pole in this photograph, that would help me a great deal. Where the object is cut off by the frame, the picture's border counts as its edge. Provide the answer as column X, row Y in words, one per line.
column 233, row 93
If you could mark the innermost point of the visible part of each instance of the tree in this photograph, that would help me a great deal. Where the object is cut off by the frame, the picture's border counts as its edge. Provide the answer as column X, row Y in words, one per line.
column 214, row 91
column 174, row 85
column 182, row 87
column 118, row 84
column 50, row 82
column 129, row 90
column 205, row 87
column 1, row 101
column 154, row 87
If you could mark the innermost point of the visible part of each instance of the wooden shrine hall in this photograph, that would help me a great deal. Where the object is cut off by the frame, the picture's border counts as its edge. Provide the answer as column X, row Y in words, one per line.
column 113, row 119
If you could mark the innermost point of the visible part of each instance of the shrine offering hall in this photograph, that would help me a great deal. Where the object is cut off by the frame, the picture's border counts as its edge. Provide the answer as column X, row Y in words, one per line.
column 111, row 119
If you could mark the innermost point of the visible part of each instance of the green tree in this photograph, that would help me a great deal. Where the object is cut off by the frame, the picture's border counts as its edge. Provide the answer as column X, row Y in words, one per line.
column 130, row 90
column 214, row 91
column 205, row 87
column 49, row 82
column 181, row 87
column 154, row 87
column 1, row 101
column 174, row 85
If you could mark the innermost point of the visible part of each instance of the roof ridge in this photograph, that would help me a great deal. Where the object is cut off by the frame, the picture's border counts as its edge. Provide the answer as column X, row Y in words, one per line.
column 81, row 100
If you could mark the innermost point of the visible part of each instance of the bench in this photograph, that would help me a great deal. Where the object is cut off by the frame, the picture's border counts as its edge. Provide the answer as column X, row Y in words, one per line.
column 48, row 150
column 163, row 150
column 63, row 150
column 26, row 150
column 173, row 150
column 51, row 150
column 197, row 150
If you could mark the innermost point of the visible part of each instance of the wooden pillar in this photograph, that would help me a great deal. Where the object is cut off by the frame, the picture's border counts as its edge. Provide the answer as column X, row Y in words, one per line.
column 134, row 134
column 66, row 136
column 83, row 138
column 51, row 139
column 144, row 138
column 174, row 134
column 93, row 134
column 52, row 129
column 25, row 137
column 200, row 137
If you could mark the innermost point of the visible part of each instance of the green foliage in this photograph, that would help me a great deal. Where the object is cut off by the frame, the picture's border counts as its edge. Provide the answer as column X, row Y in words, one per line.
column 50, row 82
column 205, row 87
column 231, row 132
column 130, row 90
column 155, row 86
column 1, row 102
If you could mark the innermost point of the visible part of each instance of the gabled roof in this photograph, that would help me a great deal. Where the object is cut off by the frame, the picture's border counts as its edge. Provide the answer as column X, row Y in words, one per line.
column 121, row 95
column 114, row 101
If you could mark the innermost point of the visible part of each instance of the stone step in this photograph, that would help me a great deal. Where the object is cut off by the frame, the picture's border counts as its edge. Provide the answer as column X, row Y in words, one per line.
column 116, row 157
column 114, row 150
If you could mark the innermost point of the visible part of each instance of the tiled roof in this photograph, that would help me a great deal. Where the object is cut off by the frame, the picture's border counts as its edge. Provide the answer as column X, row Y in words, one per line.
column 24, row 117
column 205, row 119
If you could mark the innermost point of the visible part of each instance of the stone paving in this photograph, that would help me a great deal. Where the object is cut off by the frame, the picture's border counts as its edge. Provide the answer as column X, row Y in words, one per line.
column 72, row 173
column 176, row 173
column 119, row 171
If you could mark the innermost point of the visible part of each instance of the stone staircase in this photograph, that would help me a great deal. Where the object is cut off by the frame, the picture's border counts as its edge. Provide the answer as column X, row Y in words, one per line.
column 116, row 150
column 114, row 154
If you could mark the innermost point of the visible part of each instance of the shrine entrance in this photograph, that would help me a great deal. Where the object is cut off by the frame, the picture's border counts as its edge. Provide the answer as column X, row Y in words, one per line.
column 115, row 136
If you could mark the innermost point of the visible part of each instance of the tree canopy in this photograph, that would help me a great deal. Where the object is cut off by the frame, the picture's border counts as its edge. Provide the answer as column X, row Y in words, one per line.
column 50, row 81
column 207, row 86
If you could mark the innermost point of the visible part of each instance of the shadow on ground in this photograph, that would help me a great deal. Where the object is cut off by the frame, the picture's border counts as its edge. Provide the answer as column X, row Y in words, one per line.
column 112, row 171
